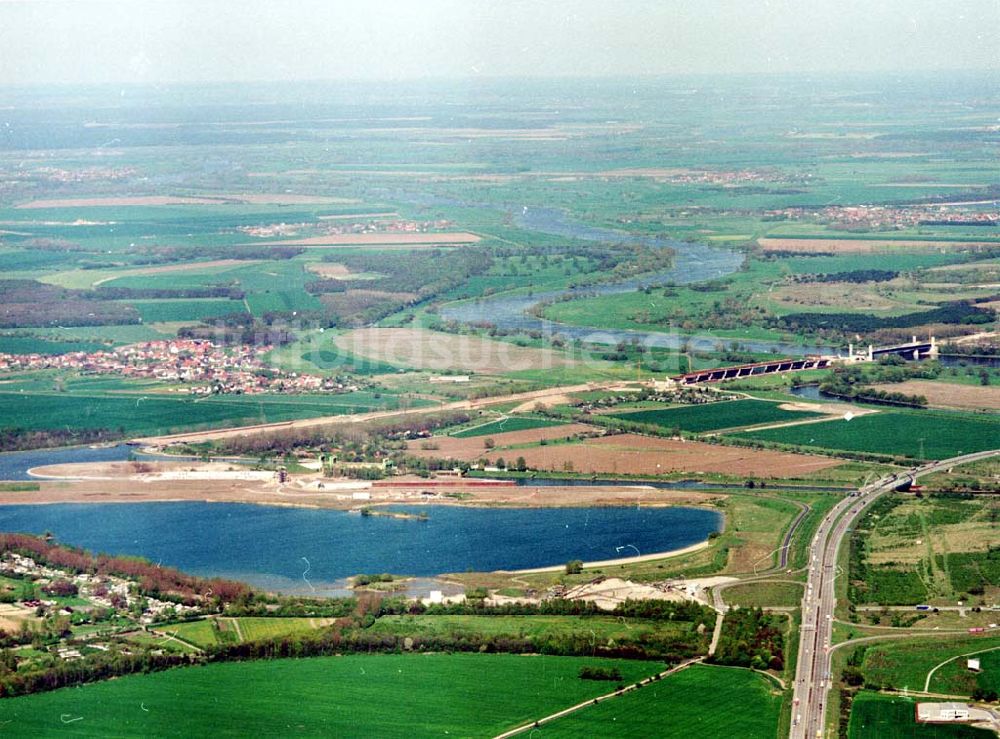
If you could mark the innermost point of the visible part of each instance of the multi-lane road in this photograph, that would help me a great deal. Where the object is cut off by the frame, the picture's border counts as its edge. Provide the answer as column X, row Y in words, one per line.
column 812, row 672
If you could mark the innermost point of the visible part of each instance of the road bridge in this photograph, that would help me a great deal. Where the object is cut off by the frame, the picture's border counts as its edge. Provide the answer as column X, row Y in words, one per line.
column 913, row 350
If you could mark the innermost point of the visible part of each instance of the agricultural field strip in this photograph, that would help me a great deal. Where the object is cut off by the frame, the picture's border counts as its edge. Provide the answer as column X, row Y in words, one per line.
column 516, row 423
column 700, row 700
column 878, row 716
column 788, row 424
column 940, row 433
column 722, row 416
column 597, row 627
column 204, row 633
column 362, row 417
column 175, row 637
column 150, row 412
column 349, row 695
column 597, row 700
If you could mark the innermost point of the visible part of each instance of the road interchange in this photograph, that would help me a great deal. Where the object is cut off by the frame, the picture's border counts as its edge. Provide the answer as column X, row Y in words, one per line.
column 812, row 672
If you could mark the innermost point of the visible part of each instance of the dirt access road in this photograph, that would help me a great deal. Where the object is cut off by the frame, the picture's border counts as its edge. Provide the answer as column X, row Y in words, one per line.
column 540, row 396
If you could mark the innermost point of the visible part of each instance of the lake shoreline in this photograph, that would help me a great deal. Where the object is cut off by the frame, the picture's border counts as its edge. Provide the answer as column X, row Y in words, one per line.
column 622, row 561
column 215, row 482
column 300, row 548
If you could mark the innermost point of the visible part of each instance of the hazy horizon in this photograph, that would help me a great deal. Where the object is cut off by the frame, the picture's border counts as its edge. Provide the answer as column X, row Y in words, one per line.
column 93, row 42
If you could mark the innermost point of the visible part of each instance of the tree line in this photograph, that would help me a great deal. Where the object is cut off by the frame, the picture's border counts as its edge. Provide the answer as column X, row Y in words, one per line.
column 751, row 638
column 165, row 583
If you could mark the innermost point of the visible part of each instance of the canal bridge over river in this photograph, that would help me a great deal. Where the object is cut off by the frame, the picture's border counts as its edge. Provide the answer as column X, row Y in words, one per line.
column 913, row 350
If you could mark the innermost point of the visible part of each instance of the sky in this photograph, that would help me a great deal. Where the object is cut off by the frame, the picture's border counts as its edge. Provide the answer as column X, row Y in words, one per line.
column 159, row 41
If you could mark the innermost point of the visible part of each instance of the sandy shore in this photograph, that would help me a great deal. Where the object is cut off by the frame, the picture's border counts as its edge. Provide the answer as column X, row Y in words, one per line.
column 219, row 482
column 622, row 561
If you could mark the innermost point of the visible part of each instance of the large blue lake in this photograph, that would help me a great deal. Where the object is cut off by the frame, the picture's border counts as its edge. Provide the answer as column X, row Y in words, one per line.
column 293, row 549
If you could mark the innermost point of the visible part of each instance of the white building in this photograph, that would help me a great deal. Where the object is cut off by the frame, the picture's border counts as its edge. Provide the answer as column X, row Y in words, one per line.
column 942, row 712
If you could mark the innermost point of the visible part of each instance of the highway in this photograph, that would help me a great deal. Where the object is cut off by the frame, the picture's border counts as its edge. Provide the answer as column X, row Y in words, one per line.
column 812, row 671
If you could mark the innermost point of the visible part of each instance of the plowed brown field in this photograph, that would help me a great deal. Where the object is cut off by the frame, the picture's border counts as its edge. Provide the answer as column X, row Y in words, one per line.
column 641, row 455
column 857, row 245
column 471, row 448
column 949, row 395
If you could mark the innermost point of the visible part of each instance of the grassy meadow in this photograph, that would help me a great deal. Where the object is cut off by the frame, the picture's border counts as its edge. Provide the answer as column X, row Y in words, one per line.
column 209, row 632
column 937, row 550
column 151, row 413
column 915, row 434
column 716, row 416
column 906, row 664
column 698, row 701
column 349, row 696
column 512, row 423
column 875, row 716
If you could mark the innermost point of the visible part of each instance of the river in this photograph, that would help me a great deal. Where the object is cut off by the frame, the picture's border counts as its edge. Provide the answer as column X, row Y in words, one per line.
column 298, row 550
column 694, row 262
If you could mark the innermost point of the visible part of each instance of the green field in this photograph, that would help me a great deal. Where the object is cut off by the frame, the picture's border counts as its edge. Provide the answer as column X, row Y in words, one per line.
column 269, row 286
column 875, row 716
column 906, row 664
column 935, row 550
column 764, row 594
column 917, row 434
column 148, row 414
column 155, row 311
column 511, row 273
column 700, row 701
column 956, row 678
column 512, row 423
column 714, row 416
column 204, row 633
column 733, row 308
column 279, row 301
column 551, row 629
column 349, row 696
column 37, row 345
